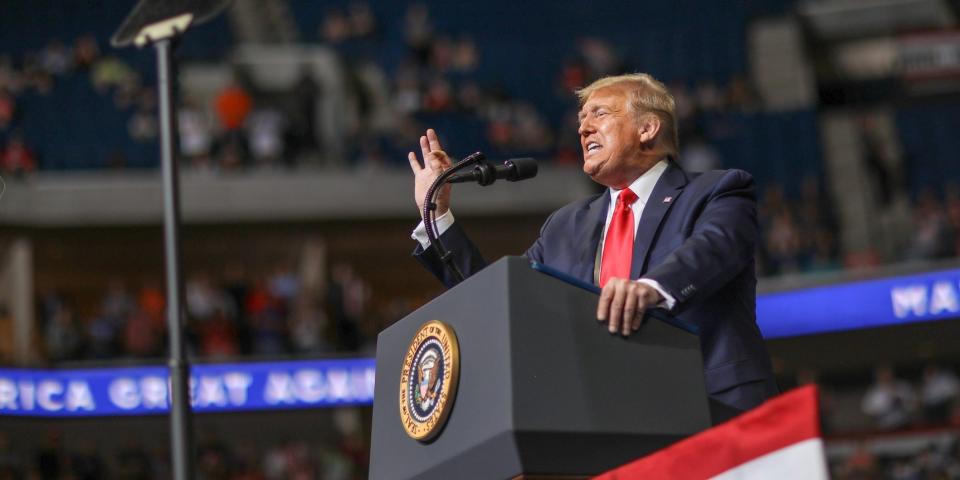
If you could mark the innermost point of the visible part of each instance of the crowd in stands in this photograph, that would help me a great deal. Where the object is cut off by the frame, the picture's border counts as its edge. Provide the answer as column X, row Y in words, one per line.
column 217, row 458
column 796, row 235
column 34, row 87
column 902, row 428
column 227, row 316
column 232, row 315
column 894, row 403
column 433, row 80
column 937, row 461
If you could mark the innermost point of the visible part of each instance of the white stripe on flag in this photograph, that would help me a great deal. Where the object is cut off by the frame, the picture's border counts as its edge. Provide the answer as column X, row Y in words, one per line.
column 801, row 461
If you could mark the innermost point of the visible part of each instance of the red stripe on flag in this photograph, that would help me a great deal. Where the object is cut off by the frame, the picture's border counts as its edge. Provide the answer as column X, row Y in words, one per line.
column 783, row 421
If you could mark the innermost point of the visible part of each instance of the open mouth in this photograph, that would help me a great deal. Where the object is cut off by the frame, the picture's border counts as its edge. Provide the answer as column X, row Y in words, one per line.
column 593, row 147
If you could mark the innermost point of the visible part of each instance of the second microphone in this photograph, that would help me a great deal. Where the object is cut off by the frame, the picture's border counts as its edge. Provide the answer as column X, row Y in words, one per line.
column 512, row 170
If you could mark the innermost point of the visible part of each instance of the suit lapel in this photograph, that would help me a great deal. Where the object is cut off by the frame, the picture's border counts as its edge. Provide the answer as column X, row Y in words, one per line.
column 664, row 195
column 589, row 221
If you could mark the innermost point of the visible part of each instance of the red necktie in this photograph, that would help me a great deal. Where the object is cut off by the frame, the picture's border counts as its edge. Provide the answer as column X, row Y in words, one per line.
column 618, row 245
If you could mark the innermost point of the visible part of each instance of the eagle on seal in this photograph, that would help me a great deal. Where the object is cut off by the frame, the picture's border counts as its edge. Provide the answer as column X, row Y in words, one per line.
column 428, row 374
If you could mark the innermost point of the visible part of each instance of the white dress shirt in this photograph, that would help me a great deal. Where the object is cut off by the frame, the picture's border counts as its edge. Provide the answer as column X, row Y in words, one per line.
column 642, row 186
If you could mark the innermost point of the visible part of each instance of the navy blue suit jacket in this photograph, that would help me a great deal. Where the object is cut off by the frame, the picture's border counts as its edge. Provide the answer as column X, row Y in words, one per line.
column 699, row 245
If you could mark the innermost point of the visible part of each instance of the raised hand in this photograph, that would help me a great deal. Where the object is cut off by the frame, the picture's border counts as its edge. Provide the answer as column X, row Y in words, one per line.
column 435, row 161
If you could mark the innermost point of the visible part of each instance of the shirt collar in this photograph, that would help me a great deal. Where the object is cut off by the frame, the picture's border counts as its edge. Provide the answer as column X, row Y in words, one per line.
column 643, row 185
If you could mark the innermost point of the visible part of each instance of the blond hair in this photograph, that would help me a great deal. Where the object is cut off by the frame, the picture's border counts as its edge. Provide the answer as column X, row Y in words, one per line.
column 647, row 95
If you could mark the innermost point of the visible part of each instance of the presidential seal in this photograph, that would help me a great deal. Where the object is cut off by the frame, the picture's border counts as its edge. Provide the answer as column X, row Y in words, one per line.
column 428, row 381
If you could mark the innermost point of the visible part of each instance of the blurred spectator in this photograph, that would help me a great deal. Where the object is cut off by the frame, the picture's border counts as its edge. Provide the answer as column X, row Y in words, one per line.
column 217, row 336
column 407, row 97
column 145, row 330
column 303, row 121
column 284, row 284
column 335, row 27
column 8, row 108
column 933, row 236
column 862, row 464
column 11, row 461
column 362, row 23
column 85, row 51
column 56, row 58
column 10, row 78
column 17, row 158
column 783, row 242
column 143, row 125
column 142, row 335
column 464, row 56
column 418, row 31
column 132, row 461
column 875, row 161
column 940, row 389
column 7, row 342
column 213, row 460
column 741, row 95
column 709, row 97
column 62, row 336
column 235, row 289
column 111, row 72
column 685, row 107
column 86, row 464
column 699, row 156
column 102, row 334
column 599, row 57
column 824, row 256
column 233, row 104
column 202, row 297
column 49, row 460
column 232, row 152
column 151, row 300
column 889, row 401
column 307, row 327
column 953, row 214
column 439, row 96
column 36, row 78
column 265, row 133
column 347, row 296
column 118, row 302
column 268, row 329
column 196, row 137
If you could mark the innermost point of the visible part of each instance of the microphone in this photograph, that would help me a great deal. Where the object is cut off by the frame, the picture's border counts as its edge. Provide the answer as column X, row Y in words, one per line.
column 512, row 170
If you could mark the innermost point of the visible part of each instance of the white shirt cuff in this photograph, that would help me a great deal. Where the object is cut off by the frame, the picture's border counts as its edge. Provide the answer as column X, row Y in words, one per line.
column 668, row 301
column 443, row 222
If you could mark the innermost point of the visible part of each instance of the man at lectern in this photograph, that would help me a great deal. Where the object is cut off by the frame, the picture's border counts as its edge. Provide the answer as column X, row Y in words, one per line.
column 657, row 237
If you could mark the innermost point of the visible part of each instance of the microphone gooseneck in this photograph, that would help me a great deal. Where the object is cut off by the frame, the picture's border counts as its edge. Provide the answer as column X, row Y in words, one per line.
column 483, row 173
column 430, row 210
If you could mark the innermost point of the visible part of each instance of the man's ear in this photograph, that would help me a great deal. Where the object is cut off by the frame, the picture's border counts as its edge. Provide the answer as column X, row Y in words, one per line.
column 649, row 128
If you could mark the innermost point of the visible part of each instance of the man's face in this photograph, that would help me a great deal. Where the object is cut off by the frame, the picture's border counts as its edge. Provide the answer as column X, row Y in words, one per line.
column 610, row 138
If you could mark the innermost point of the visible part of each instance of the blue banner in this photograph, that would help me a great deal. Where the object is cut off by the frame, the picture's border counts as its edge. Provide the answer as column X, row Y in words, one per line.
column 866, row 304
column 213, row 388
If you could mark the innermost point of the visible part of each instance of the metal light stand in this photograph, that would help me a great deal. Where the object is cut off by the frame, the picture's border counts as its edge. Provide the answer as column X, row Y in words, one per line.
column 161, row 23
column 181, row 415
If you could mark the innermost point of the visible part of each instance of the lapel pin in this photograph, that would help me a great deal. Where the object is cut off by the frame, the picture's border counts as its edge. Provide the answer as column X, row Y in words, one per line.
column 667, row 199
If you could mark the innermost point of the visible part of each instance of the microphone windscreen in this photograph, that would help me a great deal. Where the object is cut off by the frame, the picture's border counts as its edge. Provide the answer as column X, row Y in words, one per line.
column 524, row 167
